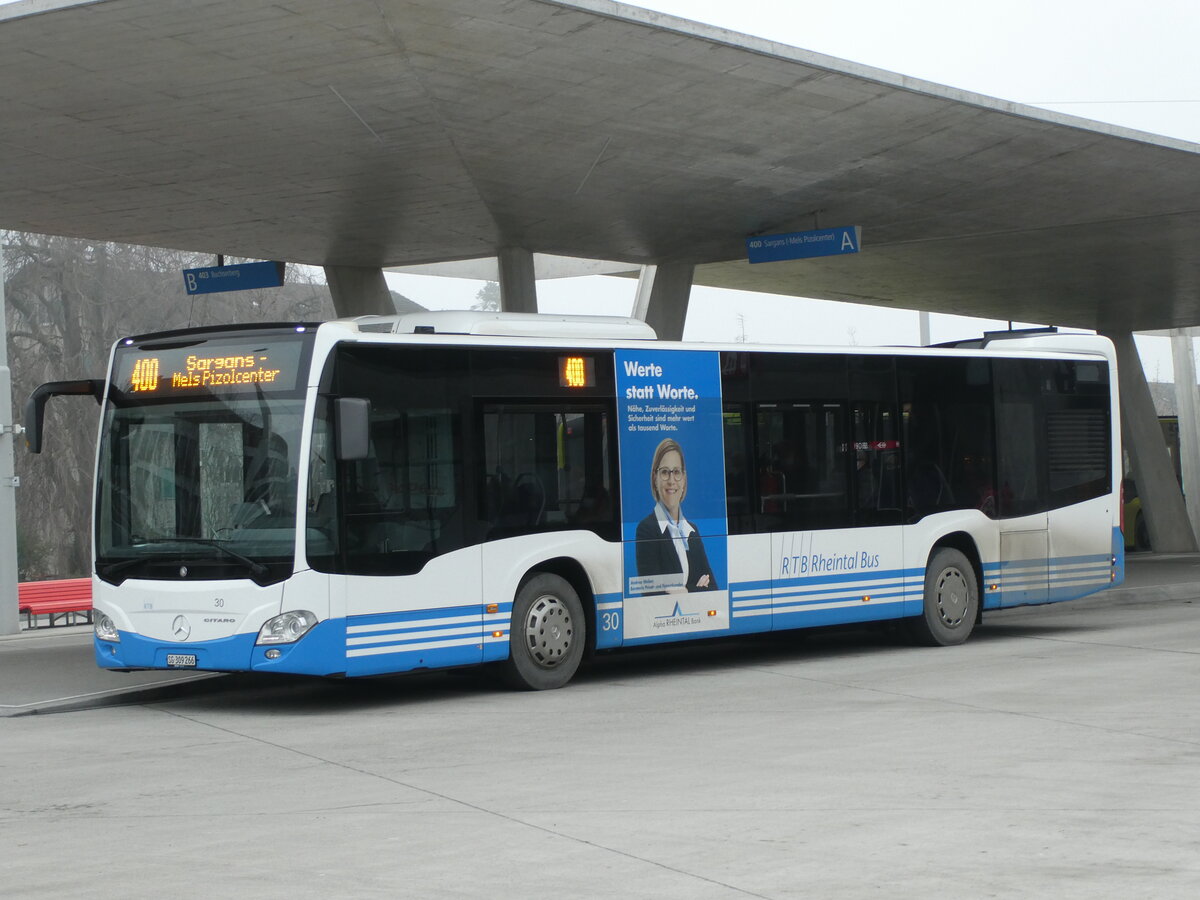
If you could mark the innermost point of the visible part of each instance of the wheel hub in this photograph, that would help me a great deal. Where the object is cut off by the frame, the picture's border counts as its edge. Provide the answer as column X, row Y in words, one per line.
column 548, row 631
column 952, row 597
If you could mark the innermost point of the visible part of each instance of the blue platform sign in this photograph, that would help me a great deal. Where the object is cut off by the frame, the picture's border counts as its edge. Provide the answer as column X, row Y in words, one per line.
column 240, row 277
column 803, row 244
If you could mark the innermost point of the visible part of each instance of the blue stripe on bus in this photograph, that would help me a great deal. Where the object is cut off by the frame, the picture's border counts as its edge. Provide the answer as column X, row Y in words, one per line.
column 1049, row 579
column 1091, row 558
column 453, row 636
column 320, row 652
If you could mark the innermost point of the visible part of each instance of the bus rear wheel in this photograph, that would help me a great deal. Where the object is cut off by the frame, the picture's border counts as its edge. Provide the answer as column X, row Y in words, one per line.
column 951, row 600
column 547, row 636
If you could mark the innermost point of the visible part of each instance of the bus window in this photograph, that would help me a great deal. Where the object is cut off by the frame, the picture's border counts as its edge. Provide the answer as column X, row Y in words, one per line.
column 878, row 498
column 1020, row 399
column 946, row 437
column 803, row 455
column 1078, row 459
column 736, row 426
column 546, row 466
column 401, row 505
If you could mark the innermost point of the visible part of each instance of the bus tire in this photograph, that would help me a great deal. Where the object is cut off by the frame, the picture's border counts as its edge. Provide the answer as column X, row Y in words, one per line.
column 547, row 636
column 951, row 603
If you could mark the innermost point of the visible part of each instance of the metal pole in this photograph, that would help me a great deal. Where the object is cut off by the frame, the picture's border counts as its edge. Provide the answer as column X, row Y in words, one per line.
column 10, row 621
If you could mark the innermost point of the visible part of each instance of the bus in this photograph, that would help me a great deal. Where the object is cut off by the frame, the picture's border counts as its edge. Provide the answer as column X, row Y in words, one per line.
column 380, row 495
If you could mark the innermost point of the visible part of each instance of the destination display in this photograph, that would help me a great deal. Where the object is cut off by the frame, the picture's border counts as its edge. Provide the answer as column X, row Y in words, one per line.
column 229, row 366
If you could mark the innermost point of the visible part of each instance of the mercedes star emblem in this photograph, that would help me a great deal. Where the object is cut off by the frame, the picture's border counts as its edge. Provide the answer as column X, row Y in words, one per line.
column 180, row 628
column 183, row 571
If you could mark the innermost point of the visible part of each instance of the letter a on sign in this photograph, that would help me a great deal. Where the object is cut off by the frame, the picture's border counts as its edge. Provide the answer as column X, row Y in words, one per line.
column 848, row 242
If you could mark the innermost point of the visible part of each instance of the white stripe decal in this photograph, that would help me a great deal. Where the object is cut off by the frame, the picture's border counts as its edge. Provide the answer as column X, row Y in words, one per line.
column 819, row 606
column 412, row 623
column 853, row 587
column 412, row 648
column 413, row 635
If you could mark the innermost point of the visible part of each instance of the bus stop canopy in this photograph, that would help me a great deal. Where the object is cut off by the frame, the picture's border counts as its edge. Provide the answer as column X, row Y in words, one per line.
column 375, row 133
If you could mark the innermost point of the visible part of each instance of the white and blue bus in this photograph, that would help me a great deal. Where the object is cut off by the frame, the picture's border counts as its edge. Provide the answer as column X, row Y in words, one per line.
column 387, row 494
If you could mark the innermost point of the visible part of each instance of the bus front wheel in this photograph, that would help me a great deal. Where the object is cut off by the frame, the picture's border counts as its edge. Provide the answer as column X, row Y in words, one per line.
column 951, row 600
column 547, row 636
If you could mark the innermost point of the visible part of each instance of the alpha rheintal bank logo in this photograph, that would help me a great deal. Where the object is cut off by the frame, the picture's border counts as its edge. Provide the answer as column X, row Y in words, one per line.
column 677, row 617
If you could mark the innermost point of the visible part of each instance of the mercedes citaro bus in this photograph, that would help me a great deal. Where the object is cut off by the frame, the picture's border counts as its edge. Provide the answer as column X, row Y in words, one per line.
column 385, row 494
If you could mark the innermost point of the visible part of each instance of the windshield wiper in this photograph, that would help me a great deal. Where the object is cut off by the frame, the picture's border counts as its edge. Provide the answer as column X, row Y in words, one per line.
column 256, row 569
column 107, row 571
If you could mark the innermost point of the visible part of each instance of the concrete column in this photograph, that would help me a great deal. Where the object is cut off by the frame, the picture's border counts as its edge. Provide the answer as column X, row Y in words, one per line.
column 10, row 621
column 518, row 287
column 359, row 291
column 1187, row 402
column 666, row 307
column 1162, row 501
column 641, row 300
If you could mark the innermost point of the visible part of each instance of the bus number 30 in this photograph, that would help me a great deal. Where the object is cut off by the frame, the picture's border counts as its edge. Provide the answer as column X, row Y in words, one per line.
column 610, row 621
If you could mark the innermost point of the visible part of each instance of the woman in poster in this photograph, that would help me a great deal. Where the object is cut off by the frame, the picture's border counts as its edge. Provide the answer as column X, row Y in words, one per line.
column 667, row 543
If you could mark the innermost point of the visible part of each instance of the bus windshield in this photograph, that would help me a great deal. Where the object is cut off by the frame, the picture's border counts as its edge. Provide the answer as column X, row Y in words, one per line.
column 200, row 483
column 183, row 480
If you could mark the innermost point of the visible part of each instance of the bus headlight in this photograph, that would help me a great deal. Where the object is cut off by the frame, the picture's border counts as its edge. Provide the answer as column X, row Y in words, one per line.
column 287, row 627
column 106, row 629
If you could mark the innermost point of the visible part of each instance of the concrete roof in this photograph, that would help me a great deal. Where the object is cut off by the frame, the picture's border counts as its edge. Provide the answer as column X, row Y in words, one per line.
column 392, row 132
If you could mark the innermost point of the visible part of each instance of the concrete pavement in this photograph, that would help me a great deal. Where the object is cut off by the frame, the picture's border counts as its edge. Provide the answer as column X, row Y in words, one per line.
column 1055, row 754
column 48, row 669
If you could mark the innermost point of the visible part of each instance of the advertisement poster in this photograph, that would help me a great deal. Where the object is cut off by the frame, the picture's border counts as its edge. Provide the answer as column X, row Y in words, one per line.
column 672, row 492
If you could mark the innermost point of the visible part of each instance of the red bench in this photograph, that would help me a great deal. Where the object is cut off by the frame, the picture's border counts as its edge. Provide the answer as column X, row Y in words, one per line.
column 58, row 600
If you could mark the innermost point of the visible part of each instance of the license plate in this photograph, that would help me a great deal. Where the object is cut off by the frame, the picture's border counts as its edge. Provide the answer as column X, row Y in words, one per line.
column 181, row 660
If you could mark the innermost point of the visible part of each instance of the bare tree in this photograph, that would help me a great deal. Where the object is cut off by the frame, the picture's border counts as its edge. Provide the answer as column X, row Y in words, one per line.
column 68, row 302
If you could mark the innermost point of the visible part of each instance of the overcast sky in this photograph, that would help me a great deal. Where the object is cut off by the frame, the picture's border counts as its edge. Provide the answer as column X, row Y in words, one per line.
column 1125, row 64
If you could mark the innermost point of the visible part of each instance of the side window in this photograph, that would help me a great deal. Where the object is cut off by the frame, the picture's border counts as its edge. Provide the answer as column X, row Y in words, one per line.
column 947, row 435
column 801, row 448
column 736, row 419
column 1020, row 448
column 803, row 456
column 546, row 467
column 402, row 505
column 321, row 519
column 878, row 497
column 1078, row 432
column 738, row 435
column 877, row 481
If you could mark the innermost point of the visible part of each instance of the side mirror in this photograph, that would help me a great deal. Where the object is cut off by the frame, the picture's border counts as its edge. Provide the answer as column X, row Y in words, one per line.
column 35, row 406
column 353, row 419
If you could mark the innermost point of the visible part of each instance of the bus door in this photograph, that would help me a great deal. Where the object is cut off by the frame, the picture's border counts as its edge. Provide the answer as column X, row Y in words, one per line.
column 394, row 521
